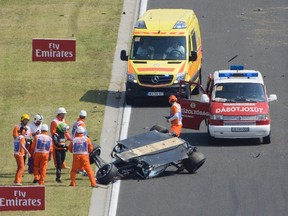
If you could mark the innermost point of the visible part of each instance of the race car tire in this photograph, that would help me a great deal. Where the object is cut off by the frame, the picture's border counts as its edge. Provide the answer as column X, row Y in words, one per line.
column 194, row 161
column 106, row 174
column 95, row 152
column 160, row 129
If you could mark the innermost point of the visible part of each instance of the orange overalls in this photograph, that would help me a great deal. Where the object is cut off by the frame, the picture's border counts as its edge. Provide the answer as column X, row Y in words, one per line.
column 78, row 123
column 81, row 146
column 53, row 127
column 28, row 136
column 175, row 119
column 19, row 145
column 41, row 148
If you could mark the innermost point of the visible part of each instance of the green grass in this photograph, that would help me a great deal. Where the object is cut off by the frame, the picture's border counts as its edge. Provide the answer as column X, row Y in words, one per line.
column 42, row 87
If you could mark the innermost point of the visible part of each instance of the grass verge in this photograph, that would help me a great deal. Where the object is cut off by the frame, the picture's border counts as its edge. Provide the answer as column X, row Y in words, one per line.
column 42, row 87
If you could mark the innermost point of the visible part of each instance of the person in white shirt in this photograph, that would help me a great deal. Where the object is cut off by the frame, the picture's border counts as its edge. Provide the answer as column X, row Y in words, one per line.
column 174, row 51
column 145, row 51
column 35, row 129
column 35, row 126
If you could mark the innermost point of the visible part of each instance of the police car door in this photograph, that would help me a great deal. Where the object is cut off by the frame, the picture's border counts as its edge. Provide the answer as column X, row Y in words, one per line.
column 194, row 109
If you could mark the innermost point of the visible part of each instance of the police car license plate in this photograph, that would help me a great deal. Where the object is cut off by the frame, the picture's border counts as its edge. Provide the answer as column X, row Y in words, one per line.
column 155, row 94
column 244, row 129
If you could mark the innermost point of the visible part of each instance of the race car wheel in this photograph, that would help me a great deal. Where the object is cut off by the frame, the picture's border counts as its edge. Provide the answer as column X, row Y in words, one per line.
column 106, row 173
column 96, row 152
column 194, row 161
column 160, row 129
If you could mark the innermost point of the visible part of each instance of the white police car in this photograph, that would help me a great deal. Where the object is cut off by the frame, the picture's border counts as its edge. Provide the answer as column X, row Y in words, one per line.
column 235, row 105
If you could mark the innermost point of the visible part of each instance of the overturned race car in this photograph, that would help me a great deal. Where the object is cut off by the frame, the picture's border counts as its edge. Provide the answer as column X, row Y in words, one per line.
column 146, row 156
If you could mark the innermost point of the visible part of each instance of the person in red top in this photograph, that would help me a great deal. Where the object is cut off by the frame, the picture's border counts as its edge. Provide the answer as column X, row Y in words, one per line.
column 60, row 118
column 19, row 151
column 175, row 117
column 41, row 150
column 81, row 146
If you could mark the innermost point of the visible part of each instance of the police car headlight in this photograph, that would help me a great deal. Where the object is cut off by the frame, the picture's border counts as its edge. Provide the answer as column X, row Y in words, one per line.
column 131, row 78
column 180, row 76
column 216, row 117
column 261, row 117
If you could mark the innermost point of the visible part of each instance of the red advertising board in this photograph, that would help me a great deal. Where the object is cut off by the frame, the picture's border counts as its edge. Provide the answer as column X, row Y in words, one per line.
column 25, row 198
column 53, row 49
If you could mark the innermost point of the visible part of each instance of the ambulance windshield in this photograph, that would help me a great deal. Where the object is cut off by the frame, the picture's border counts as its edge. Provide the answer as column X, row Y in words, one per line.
column 239, row 92
column 158, row 48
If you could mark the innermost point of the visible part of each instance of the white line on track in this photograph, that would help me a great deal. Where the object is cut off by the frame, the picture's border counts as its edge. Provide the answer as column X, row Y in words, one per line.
column 123, row 135
column 116, row 185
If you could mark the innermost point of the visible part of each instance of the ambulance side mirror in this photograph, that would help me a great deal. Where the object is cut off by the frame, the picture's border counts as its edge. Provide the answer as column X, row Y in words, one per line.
column 272, row 97
column 193, row 56
column 204, row 98
column 123, row 55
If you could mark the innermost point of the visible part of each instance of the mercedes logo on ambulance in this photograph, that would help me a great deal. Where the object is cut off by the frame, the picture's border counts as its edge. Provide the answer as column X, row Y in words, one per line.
column 155, row 79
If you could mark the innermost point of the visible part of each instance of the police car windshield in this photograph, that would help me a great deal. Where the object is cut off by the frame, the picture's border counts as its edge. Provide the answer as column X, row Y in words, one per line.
column 239, row 92
column 158, row 48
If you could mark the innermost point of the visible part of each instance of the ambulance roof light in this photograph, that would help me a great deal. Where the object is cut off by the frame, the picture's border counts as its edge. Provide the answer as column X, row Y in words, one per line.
column 140, row 25
column 180, row 25
column 236, row 67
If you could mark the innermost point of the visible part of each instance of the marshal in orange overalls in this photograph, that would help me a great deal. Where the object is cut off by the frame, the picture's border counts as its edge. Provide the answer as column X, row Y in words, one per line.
column 81, row 146
column 19, row 151
column 41, row 149
column 175, row 117
column 60, row 118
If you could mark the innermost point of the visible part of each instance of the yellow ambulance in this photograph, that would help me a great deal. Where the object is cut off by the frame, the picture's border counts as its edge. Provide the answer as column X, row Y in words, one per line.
column 166, row 48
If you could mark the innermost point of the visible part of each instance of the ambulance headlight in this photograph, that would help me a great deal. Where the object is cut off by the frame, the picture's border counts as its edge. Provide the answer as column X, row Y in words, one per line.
column 131, row 78
column 262, row 117
column 216, row 117
column 180, row 76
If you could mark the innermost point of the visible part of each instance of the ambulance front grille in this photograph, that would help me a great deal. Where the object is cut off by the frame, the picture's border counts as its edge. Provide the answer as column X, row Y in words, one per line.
column 239, row 123
column 239, row 118
column 155, row 79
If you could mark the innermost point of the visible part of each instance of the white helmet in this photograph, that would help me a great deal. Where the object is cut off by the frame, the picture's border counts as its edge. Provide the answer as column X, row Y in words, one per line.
column 61, row 110
column 80, row 130
column 38, row 118
column 83, row 113
column 44, row 127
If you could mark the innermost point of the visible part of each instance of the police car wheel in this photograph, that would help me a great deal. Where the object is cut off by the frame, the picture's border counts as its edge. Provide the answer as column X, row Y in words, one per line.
column 211, row 140
column 266, row 140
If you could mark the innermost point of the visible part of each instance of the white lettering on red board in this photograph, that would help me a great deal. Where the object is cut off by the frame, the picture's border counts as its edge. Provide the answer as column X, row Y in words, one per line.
column 195, row 112
column 239, row 109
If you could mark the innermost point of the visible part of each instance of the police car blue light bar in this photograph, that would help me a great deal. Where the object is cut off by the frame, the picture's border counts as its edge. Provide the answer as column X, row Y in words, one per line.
column 236, row 67
column 248, row 75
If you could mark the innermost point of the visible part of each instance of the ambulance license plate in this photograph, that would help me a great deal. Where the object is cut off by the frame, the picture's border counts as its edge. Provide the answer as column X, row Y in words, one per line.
column 155, row 94
column 244, row 129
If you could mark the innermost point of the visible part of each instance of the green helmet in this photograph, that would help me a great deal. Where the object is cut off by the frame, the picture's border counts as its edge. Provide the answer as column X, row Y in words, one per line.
column 62, row 127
